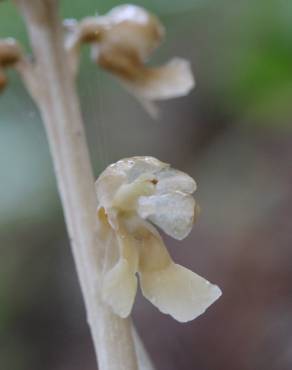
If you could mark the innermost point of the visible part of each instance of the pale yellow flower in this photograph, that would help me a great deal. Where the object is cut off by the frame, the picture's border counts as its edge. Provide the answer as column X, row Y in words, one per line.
column 134, row 195
column 122, row 42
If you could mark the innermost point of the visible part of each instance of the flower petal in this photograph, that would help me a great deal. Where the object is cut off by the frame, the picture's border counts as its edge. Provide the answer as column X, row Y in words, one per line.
column 119, row 284
column 178, row 292
column 173, row 212
column 119, row 288
column 134, row 167
column 172, row 80
column 131, row 27
column 170, row 179
column 108, row 184
column 172, row 288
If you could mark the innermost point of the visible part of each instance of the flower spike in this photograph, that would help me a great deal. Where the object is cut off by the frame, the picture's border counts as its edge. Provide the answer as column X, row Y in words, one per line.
column 135, row 194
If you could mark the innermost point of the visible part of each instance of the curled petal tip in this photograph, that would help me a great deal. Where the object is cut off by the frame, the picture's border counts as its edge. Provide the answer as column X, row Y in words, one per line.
column 172, row 80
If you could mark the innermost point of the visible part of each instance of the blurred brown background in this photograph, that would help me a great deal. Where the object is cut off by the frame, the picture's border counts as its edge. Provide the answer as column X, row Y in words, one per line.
column 233, row 134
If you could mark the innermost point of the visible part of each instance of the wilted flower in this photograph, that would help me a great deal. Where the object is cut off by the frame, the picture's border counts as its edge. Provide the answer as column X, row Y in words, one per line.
column 133, row 195
column 122, row 41
column 10, row 54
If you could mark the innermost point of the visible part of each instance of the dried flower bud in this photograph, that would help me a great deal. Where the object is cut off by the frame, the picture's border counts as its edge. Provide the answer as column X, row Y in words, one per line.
column 131, row 193
column 10, row 53
column 122, row 41
column 3, row 80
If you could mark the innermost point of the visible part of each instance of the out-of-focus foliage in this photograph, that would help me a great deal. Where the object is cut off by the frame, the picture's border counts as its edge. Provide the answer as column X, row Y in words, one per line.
column 261, row 81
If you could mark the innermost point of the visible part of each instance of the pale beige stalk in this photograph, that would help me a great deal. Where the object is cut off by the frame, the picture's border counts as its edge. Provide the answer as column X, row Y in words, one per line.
column 51, row 84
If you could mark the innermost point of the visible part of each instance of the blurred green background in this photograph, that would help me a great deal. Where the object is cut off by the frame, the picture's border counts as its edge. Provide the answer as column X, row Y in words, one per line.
column 232, row 133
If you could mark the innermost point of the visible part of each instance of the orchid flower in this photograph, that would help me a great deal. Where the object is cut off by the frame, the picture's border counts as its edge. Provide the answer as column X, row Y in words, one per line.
column 122, row 42
column 134, row 195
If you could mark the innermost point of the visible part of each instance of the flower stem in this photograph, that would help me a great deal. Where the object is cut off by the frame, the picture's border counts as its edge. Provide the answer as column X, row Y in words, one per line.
column 59, row 106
